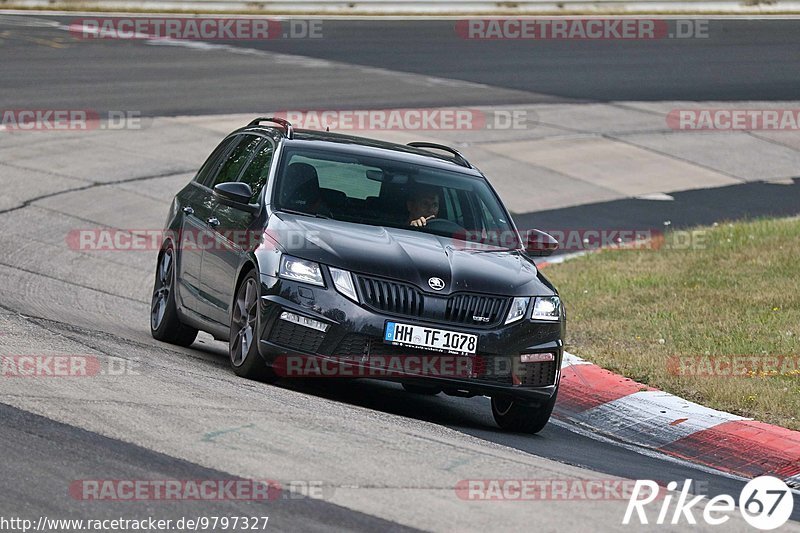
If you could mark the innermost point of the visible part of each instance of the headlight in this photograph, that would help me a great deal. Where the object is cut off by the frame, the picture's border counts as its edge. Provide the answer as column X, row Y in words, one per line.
column 343, row 281
column 301, row 270
column 546, row 308
column 517, row 311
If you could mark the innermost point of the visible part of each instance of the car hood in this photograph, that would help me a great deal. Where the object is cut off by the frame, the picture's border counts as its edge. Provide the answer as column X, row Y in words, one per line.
column 408, row 255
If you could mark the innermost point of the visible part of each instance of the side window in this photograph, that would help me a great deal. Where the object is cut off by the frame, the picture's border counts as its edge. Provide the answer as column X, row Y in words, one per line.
column 257, row 171
column 236, row 159
column 209, row 168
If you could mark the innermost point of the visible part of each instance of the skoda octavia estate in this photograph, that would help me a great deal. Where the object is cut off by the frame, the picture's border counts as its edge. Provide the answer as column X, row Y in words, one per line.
column 319, row 254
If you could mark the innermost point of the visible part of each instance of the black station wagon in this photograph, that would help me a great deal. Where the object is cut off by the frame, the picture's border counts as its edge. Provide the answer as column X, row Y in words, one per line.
column 319, row 254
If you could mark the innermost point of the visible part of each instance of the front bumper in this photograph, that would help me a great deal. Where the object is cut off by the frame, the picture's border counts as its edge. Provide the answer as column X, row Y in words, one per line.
column 353, row 344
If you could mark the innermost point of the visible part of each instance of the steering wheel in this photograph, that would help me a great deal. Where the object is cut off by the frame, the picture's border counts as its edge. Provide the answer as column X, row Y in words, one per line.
column 442, row 225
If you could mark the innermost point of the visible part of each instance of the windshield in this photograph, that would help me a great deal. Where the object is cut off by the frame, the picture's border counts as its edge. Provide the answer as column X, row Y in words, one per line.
column 382, row 192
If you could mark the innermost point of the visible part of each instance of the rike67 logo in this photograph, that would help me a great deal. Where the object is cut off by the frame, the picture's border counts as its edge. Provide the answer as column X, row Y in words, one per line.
column 766, row 503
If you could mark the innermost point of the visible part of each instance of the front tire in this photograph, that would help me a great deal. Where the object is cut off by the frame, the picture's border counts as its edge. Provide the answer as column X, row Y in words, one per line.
column 165, row 325
column 521, row 418
column 243, row 345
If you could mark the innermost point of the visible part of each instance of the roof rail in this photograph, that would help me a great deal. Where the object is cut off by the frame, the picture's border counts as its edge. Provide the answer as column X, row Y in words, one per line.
column 459, row 159
column 283, row 122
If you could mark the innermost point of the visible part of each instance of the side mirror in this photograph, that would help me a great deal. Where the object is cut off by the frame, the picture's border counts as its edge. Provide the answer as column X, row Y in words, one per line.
column 540, row 244
column 235, row 194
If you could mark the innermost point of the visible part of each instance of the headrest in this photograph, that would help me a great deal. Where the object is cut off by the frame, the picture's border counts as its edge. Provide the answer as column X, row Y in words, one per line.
column 300, row 174
column 301, row 185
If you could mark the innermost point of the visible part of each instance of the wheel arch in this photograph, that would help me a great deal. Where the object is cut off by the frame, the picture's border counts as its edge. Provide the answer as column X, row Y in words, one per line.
column 247, row 266
column 250, row 264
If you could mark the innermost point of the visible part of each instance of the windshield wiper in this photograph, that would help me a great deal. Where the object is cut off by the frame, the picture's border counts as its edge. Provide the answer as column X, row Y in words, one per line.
column 294, row 212
column 479, row 247
column 489, row 249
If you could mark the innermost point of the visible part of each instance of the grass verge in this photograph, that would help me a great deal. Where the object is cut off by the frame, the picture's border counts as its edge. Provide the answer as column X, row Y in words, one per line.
column 716, row 322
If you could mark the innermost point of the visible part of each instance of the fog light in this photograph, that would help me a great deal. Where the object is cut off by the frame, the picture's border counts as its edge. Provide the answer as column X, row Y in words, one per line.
column 304, row 321
column 537, row 357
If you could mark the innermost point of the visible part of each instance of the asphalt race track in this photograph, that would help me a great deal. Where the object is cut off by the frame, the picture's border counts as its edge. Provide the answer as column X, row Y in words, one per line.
column 740, row 60
column 377, row 457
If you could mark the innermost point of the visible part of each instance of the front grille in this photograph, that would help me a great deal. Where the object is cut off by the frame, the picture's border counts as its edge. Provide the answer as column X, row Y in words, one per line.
column 352, row 346
column 355, row 346
column 391, row 297
column 296, row 336
column 402, row 299
column 488, row 369
column 461, row 308
column 378, row 348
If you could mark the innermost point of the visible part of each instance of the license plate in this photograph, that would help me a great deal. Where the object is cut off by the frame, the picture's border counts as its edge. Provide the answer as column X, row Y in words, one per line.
column 439, row 340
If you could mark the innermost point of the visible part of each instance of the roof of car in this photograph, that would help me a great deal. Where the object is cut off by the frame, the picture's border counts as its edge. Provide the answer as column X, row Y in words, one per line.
column 371, row 147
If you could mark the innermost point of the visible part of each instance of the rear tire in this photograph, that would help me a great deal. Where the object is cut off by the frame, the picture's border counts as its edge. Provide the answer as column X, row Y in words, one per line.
column 520, row 418
column 243, row 345
column 421, row 389
column 165, row 325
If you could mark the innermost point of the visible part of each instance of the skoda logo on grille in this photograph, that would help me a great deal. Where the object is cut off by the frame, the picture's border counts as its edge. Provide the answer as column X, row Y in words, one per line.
column 436, row 284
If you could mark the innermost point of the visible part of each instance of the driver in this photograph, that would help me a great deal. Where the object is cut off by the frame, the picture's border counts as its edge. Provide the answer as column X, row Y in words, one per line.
column 422, row 205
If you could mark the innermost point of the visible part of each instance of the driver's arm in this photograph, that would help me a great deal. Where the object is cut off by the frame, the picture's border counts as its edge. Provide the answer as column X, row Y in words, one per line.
column 421, row 221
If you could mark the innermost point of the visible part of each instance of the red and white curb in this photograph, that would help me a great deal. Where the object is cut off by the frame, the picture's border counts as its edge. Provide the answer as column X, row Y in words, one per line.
column 630, row 412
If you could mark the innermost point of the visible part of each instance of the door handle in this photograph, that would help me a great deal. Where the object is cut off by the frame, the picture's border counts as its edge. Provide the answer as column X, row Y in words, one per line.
column 188, row 210
column 213, row 222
